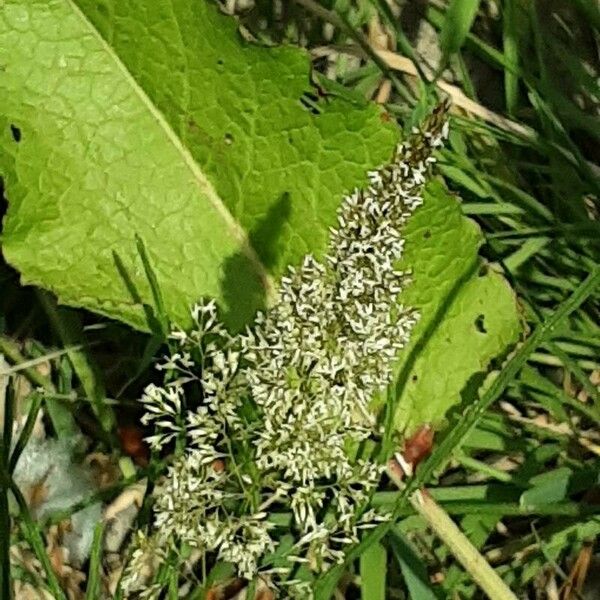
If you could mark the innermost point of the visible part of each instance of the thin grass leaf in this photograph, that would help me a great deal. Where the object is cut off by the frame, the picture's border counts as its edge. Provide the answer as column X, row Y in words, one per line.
column 8, row 417
column 525, row 200
column 489, row 471
column 457, row 24
column 414, row 570
column 469, row 181
column 157, row 298
column 5, row 577
column 541, row 358
column 564, row 231
column 489, row 208
column 543, row 390
column 161, row 327
column 572, row 366
column 92, row 590
column 60, row 406
column 251, row 589
column 11, row 351
column 461, row 68
column 68, row 327
column 565, row 147
column 148, row 357
column 491, row 55
column 40, row 360
column 458, row 493
column 152, row 321
column 502, row 509
column 530, row 248
column 373, row 570
column 34, row 409
column 511, row 53
column 173, row 591
column 33, row 535
column 565, row 357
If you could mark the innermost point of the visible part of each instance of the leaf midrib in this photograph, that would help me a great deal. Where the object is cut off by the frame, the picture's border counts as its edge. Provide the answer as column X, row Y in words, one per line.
column 205, row 186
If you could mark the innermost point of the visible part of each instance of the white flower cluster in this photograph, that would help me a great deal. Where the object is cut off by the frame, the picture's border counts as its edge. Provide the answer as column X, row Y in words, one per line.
column 268, row 418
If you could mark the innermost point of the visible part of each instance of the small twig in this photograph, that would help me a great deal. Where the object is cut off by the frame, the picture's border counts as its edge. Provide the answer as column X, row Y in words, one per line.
column 402, row 64
column 406, row 66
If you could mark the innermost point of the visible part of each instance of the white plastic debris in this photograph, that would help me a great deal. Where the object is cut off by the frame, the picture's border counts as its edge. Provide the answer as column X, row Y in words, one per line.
column 51, row 482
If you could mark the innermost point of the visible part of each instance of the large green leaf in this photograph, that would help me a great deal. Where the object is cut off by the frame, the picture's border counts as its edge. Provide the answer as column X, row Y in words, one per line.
column 155, row 118
column 468, row 313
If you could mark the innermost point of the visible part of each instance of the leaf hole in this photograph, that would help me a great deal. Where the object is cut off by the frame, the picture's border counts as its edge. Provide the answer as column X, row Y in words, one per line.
column 16, row 133
column 415, row 378
column 427, row 234
column 220, row 62
column 228, row 138
column 480, row 324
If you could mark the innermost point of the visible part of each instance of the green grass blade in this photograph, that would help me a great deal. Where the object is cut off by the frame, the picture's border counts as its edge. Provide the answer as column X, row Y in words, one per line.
column 92, row 591
column 511, row 54
column 32, row 533
column 34, row 409
column 457, row 24
column 491, row 55
column 5, row 437
column 413, row 569
column 581, row 377
column 11, row 351
column 251, row 589
column 39, row 360
column 148, row 357
column 5, row 578
column 152, row 321
column 6, row 441
column 489, row 208
column 373, row 569
column 530, row 248
column 67, row 324
column 60, row 406
column 157, row 298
